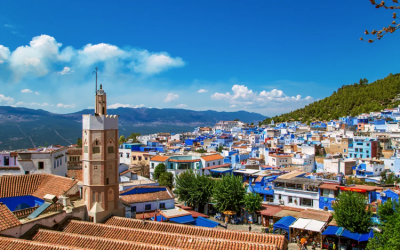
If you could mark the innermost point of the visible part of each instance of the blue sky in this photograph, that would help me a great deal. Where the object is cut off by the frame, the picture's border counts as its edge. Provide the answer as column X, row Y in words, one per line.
column 267, row 57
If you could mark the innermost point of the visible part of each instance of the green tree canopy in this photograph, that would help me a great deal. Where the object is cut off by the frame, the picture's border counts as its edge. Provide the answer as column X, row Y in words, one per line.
column 352, row 212
column 79, row 142
column 389, row 237
column 121, row 140
column 160, row 168
column 193, row 189
column 166, row 179
column 252, row 202
column 220, row 148
column 228, row 193
column 134, row 136
column 202, row 150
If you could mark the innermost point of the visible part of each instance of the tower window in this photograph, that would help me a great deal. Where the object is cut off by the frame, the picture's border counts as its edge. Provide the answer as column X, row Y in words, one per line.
column 110, row 149
column 107, row 181
column 40, row 165
column 96, row 150
column 85, row 149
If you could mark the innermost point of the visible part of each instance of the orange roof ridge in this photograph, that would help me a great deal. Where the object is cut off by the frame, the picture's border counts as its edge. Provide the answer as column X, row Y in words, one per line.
column 155, row 237
column 7, row 218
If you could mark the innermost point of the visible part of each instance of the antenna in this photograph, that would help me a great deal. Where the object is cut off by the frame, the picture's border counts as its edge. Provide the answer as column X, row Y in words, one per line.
column 95, row 72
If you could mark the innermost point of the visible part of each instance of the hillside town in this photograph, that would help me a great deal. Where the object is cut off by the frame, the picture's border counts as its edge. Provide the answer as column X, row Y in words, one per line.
column 104, row 194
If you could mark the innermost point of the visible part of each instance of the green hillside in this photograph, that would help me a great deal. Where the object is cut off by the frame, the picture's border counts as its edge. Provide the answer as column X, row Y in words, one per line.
column 362, row 97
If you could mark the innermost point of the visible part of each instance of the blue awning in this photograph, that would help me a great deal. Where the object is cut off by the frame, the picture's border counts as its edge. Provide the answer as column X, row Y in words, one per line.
column 183, row 219
column 284, row 223
column 203, row 222
column 330, row 230
column 159, row 218
column 356, row 236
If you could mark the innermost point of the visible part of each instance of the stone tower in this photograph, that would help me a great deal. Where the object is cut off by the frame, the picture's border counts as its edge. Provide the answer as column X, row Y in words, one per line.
column 100, row 162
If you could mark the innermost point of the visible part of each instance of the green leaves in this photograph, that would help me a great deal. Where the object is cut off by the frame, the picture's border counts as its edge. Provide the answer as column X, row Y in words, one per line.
column 194, row 189
column 160, row 168
column 352, row 212
column 166, row 179
column 389, row 237
column 252, row 202
column 229, row 193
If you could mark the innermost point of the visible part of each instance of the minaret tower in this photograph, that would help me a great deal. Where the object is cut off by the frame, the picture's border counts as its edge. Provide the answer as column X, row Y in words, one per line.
column 100, row 161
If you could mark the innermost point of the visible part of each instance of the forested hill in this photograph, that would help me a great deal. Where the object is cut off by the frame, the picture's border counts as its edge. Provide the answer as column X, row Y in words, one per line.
column 362, row 97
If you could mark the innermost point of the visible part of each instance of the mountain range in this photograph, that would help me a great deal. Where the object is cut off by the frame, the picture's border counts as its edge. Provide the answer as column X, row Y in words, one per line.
column 27, row 128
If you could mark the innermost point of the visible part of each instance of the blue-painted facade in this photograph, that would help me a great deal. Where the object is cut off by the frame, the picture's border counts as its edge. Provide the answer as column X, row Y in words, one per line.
column 21, row 202
column 388, row 195
column 326, row 202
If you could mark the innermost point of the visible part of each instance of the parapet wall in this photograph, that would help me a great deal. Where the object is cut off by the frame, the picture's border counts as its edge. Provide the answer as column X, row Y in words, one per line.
column 100, row 122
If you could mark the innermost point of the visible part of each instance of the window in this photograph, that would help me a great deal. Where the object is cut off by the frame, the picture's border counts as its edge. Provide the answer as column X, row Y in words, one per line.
column 152, row 165
column 171, row 166
column 110, row 149
column 133, row 209
column 127, row 155
column 306, row 202
column 391, row 164
column 290, row 199
column 145, row 158
column 162, row 205
column 351, row 155
column 134, row 158
column 139, row 158
column 367, row 144
column 147, row 207
column 26, row 172
column 54, row 164
column 279, row 197
column 58, row 163
column 376, row 170
column 40, row 165
column 344, row 150
column 107, row 181
column 94, row 197
column 367, row 156
column 367, row 151
column 96, row 150
column 208, row 164
column 6, row 160
column 85, row 149
column 328, row 193
column 214, row 163
column 380, row 169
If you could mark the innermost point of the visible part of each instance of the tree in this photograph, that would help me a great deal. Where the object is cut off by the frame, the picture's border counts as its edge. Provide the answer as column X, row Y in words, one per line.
column 352, row 212
column 193, row 189
column 220, row 148
column 252, row 202
column 228, row 193
column 121, row 140
column 389, row 235
column 79, row 142
column 166, row 179
column 134, row 136
column 385, row 30
column 202, row 150
column 389, row 179
column 160, row 168
column 236, row 120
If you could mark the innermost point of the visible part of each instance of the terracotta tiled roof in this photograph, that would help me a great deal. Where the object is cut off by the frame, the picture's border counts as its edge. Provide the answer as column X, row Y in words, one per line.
column 127, row 171
column 7, row 218
column 217, row 166
column 195, row 160
column 196, row 214
column 270, row 210
column 316, row 215
column 159, row 158
column 160, row 238
column 90, row 242
column 55, row 185
column 259, row 178
column 135, row 198
column 19, row 244
column 329, row 186
column 34, row 184
column 212, row 157
column 75, row 173
column 20, row 185
column 278, row 240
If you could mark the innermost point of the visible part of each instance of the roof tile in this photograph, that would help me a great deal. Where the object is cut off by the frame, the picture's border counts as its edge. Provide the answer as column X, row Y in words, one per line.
column 7, row 218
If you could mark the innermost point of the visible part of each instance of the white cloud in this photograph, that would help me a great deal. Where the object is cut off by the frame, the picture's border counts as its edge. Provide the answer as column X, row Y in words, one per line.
column 11, row 26
column 44, row 53
column 154, row 63
column 202, row 91
column 37, row 93
column 62, row 105
column 120, row 105
column 4, row 54
column 45, row 104
column 181, row 105
column 65, row 71
column 242, row 96
column 6, row 99
column 171, row 97
column 26, row 91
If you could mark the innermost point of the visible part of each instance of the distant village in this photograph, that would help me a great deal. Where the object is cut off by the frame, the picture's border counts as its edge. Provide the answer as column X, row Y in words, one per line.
column 105, row 191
